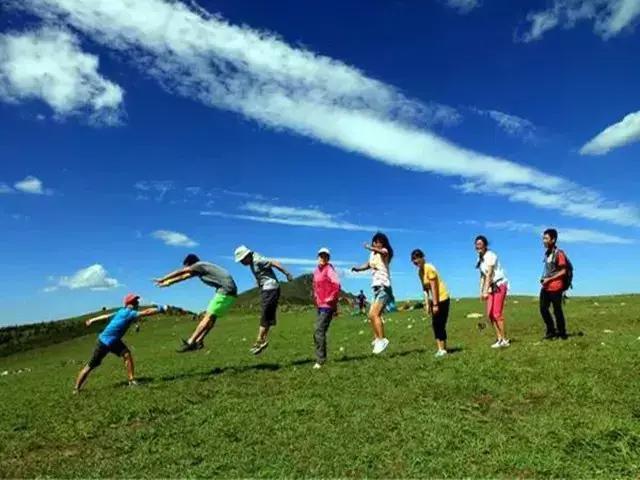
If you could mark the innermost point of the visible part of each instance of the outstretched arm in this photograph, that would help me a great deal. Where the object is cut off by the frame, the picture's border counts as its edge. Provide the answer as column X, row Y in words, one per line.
column 278, row 266
column 147, row 312
column 175, row 277
column 362, row 268
column 99, row 318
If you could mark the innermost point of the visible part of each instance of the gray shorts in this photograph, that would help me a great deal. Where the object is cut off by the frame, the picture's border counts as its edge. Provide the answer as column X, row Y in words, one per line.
column 270, row 300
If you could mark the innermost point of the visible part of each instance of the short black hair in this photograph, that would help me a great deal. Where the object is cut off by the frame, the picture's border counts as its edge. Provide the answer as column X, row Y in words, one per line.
column 552, row 232
column 417, row 253
column 483, row 239
column 190, row 259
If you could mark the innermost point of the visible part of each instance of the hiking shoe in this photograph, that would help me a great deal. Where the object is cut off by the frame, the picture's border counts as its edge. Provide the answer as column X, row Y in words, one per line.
column 441, row 353
column 380, row 345
column 259, row 347
column 186, row 347
column 498, row 344
column 317, row 366
column 505, row 343
column 199, row 345
column 133, row 383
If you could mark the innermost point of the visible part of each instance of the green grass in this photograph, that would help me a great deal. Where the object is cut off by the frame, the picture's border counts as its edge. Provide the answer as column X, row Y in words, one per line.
column 559, row 409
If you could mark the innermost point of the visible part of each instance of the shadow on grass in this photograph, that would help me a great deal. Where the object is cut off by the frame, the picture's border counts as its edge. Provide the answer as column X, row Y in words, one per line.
column 269, row 367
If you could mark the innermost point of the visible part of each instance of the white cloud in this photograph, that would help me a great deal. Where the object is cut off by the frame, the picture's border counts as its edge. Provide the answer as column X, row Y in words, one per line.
column 94, row 277
column 156, row 188
column 312, row 261
column 625, row 132
column 511, row 124
column 4, row 188
column 261, row 77
column 463, row 6
column 31, row 185
column 48, row 64
column 567, row 235
column 610, row 17
column 294, row 216
column 174, row 239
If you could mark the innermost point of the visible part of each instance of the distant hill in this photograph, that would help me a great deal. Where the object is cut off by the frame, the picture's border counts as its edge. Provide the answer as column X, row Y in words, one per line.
column 25, row 337
column 296, row 292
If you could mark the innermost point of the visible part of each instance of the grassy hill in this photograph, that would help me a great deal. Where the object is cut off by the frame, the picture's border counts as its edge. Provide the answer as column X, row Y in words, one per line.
column 19, row 338
column 536, row 410
column 297, row 292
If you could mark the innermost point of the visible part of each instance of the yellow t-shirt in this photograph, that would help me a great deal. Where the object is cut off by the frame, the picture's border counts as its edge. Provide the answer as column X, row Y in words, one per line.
column 429, row 273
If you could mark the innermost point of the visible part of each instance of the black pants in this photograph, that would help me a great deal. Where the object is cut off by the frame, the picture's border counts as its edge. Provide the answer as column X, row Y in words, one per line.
column 546, row 300
column 439, row 321
column 269, row 307
column 323, row 321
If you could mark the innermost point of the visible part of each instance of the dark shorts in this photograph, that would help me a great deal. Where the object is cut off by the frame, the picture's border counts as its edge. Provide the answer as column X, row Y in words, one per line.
column 117, row 348
column 269, row 307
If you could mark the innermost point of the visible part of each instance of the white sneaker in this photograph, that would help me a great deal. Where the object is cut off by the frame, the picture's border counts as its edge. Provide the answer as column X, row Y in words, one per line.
column 380, row 346
column 505, row 343
column 441, row 353
column 317, row 366
column 498, row 344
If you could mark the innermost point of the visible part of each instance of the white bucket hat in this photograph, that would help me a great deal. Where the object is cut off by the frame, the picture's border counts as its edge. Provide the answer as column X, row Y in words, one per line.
column 241, row 253
column 324, row 250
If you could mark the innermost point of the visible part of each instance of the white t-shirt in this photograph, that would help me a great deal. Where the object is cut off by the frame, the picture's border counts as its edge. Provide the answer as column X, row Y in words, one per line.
column 490, row 259
column 380, row 270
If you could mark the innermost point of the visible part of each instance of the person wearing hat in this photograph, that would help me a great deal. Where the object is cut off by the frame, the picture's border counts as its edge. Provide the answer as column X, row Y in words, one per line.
column 213, row 276
column 110, row 339
column 263, row 271
column 326, row 293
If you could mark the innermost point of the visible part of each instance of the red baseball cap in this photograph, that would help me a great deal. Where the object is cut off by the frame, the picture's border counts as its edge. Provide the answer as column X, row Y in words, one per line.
column 130, row 299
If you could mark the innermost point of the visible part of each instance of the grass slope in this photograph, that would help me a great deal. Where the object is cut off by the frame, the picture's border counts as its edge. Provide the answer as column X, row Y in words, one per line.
column 557, row 409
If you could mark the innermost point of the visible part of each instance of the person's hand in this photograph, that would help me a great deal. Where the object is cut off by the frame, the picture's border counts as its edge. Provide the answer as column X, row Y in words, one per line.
column 435, row 308
column 484, row 295
column 544, row 281
column 87, row 322
column 366, row 245
column 354, row 269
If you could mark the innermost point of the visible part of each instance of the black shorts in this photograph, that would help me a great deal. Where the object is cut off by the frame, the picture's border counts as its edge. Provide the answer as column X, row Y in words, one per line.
column 117, row 348
column 269, row 307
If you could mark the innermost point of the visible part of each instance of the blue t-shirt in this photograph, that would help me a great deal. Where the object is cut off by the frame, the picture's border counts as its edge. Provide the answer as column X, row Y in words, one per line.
column 118, row 326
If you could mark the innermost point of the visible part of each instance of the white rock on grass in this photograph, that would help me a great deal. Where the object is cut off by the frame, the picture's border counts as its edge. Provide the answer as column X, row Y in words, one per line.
column 6, row 372
column 608, row 331
column 361, row 332
column 474, row 315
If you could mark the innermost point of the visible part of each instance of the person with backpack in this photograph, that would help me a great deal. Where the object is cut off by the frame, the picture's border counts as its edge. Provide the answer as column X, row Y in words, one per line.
column 556, row 280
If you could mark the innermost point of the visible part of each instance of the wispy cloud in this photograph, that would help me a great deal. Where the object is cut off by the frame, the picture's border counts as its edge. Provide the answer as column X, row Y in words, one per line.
column 174, row 239
column 29, row 185
column 294, row 216
column 567, row 235
column 153, row 189
column 48, row 64
column 258, row 75
column 625, row 132
column 312, row 261
column 610, row 17
column 463, row 6
column 511, row 124
column 94, row 277
column 578, row 203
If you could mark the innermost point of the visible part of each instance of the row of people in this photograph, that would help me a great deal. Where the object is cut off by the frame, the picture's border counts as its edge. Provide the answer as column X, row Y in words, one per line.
column 327, row 289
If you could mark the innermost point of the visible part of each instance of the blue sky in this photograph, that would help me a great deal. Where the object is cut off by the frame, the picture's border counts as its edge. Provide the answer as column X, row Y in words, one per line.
column 132, row 133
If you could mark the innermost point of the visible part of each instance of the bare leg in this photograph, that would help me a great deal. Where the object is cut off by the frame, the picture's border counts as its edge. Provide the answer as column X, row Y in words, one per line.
column 442, row 344
column 375, row 317
column 499, row 326
column 82, row 376
column 263, row 333
column 128, row 362
column 203, row 328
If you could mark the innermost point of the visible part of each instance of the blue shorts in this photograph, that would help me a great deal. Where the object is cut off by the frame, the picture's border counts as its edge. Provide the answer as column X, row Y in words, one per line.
column 383, row 295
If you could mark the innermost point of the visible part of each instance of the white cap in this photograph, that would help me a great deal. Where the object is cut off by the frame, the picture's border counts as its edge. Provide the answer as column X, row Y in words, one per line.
column 324, row 250
column 241, row 253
